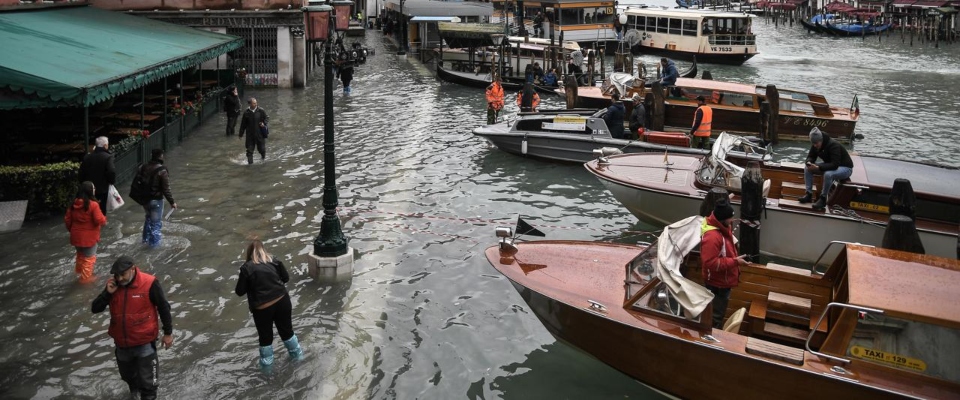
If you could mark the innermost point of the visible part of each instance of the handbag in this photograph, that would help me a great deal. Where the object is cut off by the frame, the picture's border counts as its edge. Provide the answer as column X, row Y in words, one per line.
column 264, row 131
column 114, row 201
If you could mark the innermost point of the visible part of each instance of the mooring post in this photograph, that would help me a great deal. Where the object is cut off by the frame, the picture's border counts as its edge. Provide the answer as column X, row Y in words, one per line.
column 658, row 106
column 707, row 75
column 773, row 98
column 570, row 90
column 751, row 207
column 901, row 234
column 710, row 200
column 902, row 199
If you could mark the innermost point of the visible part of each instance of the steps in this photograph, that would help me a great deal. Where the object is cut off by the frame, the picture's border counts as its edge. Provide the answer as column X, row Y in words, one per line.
column 793, row 190
column 784, row 318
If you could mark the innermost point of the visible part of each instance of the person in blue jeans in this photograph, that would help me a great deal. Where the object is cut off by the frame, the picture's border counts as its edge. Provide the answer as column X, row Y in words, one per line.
column 837, row 165
column 159, row 179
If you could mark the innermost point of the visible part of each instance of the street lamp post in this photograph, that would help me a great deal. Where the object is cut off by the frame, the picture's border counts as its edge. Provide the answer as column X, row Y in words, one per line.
column 331, row 258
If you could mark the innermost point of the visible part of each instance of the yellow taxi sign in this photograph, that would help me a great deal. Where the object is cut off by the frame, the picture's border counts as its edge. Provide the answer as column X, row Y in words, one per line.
column 891, row 359
column 857, row 205
column 569, row 120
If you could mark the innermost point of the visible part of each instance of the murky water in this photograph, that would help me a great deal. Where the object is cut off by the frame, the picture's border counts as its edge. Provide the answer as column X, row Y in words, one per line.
column 424, row 315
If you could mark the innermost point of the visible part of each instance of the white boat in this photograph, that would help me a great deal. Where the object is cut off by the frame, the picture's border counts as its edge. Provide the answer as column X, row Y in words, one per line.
column 857, row 211
column 721, row 37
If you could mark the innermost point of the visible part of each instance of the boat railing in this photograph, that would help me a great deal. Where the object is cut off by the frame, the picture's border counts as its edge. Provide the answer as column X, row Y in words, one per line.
column 820, row 321
column 732, row 40
column 813, row 268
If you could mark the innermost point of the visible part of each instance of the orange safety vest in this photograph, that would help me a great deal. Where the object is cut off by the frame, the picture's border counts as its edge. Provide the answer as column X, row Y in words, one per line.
column 495, row 96
column 705, row 122
column 534, row 104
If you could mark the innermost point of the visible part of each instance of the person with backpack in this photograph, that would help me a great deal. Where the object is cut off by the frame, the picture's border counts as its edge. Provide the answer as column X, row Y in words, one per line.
column 150, row 186
column 84, row 220
column 254, row 122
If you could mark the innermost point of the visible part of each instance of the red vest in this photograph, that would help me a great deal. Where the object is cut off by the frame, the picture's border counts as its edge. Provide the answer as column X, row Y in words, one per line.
column 133, row 317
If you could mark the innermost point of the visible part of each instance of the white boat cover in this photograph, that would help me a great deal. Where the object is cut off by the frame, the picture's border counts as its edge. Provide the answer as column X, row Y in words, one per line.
column 678, row 239
column 621, row 81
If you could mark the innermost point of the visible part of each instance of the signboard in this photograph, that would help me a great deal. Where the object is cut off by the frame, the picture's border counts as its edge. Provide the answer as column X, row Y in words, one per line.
column 566, row 124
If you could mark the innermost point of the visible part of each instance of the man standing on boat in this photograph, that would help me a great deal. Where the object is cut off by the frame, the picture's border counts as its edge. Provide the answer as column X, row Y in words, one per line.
column 719, row 262
column 702, row 121
column 494, row 100
column 614, row 116
column 528, row 99
column 637, row 117
column 836, row 165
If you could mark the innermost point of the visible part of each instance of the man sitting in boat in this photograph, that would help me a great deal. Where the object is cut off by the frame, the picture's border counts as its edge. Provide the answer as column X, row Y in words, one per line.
column 614, row 116
column 719, row 262
column 550, row 79
column 702, row 122
column 670, row 73
column 836, row 165
column 528, row 99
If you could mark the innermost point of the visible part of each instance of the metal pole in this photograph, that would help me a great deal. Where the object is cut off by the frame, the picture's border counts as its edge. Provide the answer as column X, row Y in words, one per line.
column 330, row 242
column 86, row 128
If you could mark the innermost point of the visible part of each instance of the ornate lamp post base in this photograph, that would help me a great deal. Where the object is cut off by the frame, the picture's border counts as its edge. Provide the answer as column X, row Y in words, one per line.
column 331, row 269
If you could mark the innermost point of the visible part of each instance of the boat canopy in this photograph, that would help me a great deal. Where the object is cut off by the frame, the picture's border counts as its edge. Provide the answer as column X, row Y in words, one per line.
column 676, row 241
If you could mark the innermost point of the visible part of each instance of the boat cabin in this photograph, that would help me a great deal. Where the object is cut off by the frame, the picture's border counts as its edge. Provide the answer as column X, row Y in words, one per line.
column 713, row 36
column 885, row 318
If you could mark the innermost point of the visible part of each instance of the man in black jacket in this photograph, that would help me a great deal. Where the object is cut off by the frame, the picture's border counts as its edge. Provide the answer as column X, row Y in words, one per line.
column 155, row 173
column 231, row 105
column 836, row 165
column 97, row 167
column 614, row 117
column 254, row 119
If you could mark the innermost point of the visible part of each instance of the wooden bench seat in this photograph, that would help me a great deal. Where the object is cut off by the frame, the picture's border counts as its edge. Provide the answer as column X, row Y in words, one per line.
column 788, row 203
column 788, row 269
column 786, row 333
column 789, row 304
column 775, row 351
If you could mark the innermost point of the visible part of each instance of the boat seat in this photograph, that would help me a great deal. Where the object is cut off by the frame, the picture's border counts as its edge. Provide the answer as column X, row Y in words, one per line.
column 733, row 323
column 775, row 351
column 789, row 304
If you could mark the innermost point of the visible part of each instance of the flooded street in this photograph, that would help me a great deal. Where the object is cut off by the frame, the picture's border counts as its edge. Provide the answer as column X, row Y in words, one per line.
column 424, row 315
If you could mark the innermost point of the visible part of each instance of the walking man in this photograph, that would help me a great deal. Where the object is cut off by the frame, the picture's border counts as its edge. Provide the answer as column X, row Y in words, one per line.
column 702, row 121
column 97, row 167
column 253, row 120
column 158, row 177
column 136, row 302
column 231, row 104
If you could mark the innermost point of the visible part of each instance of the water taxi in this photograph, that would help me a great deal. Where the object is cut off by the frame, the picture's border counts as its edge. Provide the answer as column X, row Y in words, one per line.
column 721, row 37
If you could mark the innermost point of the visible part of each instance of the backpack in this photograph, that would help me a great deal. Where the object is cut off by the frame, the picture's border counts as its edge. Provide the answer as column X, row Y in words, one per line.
column 142, row 188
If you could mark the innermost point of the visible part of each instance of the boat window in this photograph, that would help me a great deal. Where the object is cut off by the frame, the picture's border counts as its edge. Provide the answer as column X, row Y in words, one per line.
column 675, row 26
column 795, row 106
column 689, row 27
column 640, row 271
column 906, row 345
column 631, row 22
column 640, row 23
column 709, row 27
column 662, row 24
column 573, row 16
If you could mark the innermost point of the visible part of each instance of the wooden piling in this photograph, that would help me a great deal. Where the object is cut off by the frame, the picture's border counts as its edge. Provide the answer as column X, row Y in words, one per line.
column 902, row 199
column 707, row 75
column 901, row 234
column 710, row 200
column 658, row 106
column 570, row 86
column 590, row 67
column 751, row 207
column 773, row 99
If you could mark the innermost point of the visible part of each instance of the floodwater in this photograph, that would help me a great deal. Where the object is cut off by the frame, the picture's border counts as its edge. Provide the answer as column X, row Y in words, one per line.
column 424, row 315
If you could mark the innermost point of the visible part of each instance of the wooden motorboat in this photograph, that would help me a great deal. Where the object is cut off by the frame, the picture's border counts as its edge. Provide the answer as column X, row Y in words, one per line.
column 876, row 324
column 569, row 135
column 599, row 96
column 857, row 210
column 737, row 108
column 484, row 79
column 722, row 37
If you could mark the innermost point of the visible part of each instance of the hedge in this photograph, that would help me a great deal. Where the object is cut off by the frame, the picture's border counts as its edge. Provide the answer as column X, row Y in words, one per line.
column 48, row 188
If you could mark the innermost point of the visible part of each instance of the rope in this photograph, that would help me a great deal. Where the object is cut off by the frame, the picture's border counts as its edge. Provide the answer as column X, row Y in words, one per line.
column 844, row 212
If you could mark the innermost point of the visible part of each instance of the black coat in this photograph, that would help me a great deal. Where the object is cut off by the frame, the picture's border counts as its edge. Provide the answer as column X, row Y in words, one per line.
column 262, row 283
column 832, row 153
column 159, row 181
column 231, row 104
column 637, row 117
column 250, row 123
column 97, row 167
column 614, row 119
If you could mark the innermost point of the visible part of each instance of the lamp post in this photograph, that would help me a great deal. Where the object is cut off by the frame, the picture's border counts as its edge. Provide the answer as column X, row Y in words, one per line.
column 402, row 37
column 498, row 41
column 331, row 257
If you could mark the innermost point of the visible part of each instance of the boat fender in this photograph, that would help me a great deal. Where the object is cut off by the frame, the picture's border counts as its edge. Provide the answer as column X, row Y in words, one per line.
column 523, row 146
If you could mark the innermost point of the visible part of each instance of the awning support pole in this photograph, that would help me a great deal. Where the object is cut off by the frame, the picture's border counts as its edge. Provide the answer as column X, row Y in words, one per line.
column 143, row 99
column 86, row 129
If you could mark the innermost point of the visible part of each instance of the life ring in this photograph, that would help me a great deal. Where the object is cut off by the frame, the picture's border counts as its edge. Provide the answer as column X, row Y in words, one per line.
column 609, row 10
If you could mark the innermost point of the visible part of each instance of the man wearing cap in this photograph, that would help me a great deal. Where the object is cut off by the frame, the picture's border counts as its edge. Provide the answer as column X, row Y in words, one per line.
column 702, row 122
column 614, row 116
column 136, row 302
column 719, row 262
column 837, row 165
column 637, row 117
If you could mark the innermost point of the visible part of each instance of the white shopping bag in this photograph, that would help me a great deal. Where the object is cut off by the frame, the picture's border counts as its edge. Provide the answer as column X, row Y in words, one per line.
column 114, row 201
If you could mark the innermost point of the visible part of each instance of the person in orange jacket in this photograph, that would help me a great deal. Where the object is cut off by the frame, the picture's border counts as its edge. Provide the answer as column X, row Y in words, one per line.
column 84, row 220
column 494, row 100
column 528, row 99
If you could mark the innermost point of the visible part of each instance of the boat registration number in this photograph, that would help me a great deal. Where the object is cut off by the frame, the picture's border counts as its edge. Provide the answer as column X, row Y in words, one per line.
column 858, row 205
column 721, row 49
column 884, row 357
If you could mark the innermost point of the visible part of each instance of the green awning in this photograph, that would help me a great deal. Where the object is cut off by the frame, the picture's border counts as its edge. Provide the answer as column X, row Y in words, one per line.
column 78, row 55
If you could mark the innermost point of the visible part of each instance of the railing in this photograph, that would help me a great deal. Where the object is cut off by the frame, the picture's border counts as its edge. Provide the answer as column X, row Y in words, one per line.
column 732, row 40
column 813, row 268
column 820, row 321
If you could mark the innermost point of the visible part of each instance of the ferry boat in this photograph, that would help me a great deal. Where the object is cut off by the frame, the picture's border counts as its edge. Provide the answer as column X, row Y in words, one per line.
column 875, row 324
column 720, row 37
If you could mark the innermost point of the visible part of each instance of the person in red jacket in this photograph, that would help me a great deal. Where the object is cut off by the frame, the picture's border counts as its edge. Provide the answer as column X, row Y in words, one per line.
column 84, row 220
column 719, row 262
column 137, row 307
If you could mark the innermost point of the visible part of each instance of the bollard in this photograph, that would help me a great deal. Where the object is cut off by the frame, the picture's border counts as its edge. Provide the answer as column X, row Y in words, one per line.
column 773, row 98
column 570, row 88
column 751, row 207
column 710, row 200
column 764, row 121
column 901, row 234
column 902, row 199
column 659, row 109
